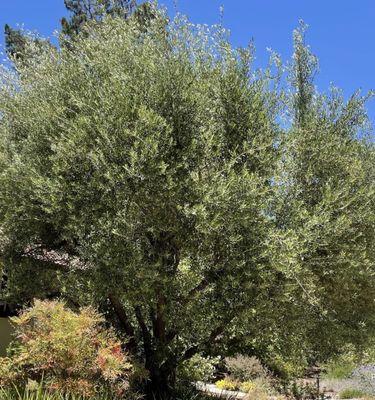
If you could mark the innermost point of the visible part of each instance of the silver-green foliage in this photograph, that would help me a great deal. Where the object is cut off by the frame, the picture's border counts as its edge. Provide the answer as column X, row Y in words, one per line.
column 145, row 158
column 324, row 210
column 148, row 167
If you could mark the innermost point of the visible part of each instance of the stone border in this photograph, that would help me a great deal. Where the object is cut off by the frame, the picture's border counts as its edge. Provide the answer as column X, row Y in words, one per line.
column 212, row 390
column 216, row 392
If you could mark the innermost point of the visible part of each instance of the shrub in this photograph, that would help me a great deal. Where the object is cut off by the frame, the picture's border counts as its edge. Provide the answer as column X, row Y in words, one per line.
column 339, row 370
column 227, row 384
column 341, row 367
column 257, row 394
column 247, row 386
column 260, row 388
column 41, row 394
column 301, row 391
column 198, row 368
column 72, row 352
column 245, row 368
column 351, row 393
column 287, row 369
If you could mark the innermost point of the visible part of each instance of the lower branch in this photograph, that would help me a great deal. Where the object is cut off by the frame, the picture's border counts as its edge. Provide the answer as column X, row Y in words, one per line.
column 120, row 311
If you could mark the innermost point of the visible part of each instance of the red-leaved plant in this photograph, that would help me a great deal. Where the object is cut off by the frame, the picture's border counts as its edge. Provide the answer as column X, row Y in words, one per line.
column 70, row 352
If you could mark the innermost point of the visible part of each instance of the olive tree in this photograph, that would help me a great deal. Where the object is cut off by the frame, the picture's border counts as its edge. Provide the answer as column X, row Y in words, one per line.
column 143, row 159
column 324, row 207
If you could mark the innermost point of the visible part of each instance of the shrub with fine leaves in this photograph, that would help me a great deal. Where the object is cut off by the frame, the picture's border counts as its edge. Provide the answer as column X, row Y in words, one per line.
column 71, row 352
column 245, row 368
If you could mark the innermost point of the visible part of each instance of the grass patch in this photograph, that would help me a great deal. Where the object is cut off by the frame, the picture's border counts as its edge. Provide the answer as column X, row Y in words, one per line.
column 352, row 393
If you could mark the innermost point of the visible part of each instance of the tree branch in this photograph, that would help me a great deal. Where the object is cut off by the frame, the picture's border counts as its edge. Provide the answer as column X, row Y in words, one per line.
column 159, row 321
column 198, row 289
column 147, row 339
column 120, row 311
column 212, row 339
column 54, row 258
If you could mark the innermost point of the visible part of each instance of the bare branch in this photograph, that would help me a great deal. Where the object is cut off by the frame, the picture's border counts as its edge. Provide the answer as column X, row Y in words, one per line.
column 58, row 259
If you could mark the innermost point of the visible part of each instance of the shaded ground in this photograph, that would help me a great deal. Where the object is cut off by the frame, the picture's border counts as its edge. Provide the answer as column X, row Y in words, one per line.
column 5, row 335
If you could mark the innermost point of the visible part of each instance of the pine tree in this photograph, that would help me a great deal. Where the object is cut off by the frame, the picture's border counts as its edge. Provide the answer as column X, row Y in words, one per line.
column 85, row 10
column 81, row 11
column 15, row 42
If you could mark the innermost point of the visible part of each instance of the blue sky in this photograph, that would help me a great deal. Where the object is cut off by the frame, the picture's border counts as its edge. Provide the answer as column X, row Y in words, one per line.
column 341, row 32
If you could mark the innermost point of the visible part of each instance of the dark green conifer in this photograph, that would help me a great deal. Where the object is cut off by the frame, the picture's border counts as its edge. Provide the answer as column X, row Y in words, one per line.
column 81, row 11
column 85, row 10
column 15, row 42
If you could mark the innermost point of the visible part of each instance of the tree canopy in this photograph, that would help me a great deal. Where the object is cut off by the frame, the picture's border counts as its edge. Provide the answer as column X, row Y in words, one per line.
column 83, row 11
column 149, row 173
column 80, row 12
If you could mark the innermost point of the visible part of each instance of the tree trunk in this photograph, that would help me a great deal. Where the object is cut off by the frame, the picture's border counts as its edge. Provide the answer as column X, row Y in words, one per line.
column 161, row 383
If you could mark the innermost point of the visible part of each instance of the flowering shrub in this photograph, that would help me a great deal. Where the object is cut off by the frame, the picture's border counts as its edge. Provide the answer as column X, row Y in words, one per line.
column 247, row 386
column 71, row 352
column 227, row 384
column 258, row 389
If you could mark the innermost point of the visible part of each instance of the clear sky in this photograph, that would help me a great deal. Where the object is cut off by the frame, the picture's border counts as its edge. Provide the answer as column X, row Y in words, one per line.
column 341, row 32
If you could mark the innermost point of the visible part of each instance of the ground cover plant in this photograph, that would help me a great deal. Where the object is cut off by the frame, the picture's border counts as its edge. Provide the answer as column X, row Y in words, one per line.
column 41, row 394
column 352, row 394
column 151, row 172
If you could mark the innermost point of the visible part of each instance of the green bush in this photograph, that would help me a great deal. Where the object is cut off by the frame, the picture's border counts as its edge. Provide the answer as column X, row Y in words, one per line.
column 244, row 368
column 351, row 393
column 301, row 391
column 287, row 369
column 71, row 352
column 341, row 367
column 339, row 370
column 198, row 368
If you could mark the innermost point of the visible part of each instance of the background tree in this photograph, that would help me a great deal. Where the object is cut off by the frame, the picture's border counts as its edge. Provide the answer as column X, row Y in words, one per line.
column 322, row 209
column 325, row 211
column 15, row 42
column 82, row 11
